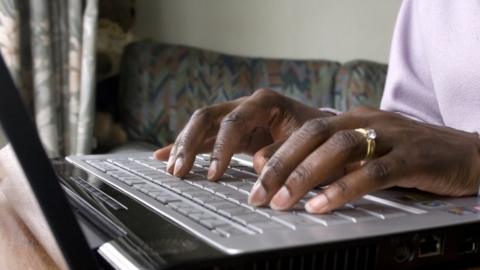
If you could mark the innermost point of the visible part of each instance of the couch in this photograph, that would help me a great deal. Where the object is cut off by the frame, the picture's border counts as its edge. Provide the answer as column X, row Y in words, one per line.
column 161, row 85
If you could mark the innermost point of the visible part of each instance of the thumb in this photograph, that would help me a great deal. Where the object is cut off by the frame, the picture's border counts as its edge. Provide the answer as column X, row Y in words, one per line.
column 264, row 154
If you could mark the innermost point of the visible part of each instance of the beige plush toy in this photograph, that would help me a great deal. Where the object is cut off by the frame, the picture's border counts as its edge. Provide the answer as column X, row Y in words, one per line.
column 114, row 33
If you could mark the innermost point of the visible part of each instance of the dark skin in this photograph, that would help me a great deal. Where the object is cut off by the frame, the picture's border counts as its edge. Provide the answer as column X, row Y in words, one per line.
column 297, row 148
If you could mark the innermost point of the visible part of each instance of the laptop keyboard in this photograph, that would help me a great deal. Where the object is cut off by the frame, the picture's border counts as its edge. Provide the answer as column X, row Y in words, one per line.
column 222, row 207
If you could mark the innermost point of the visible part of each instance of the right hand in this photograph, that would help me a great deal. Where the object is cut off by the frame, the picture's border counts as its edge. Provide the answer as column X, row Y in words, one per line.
column 256, row 125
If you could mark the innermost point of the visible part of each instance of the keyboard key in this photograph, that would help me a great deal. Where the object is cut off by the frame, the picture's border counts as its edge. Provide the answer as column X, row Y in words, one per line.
column 355, row 215
column 230, row 231
column 144, row 188
column 212, row 223
column 236, row 174
column 201, row 216
column 246, row 169
column 155, row 193
column 204, row 184
column 179, row 204
column 215, row 206
column 165, row 199
column 250, row 218
column 294, row 221
column 202, row 162
column 226, row 192
column 231, row 212
column 187, row 211
column 265, row 227
column 132, row 181
column 269, row 212
column 380, row 211
column 184, row 189
column 197, row 170
column 207, row 199
column 101, row 165
column 246, row 188
column 176, row 185
column 235, row 184
column 327, row 219
column 166, row 182
column 238, row 197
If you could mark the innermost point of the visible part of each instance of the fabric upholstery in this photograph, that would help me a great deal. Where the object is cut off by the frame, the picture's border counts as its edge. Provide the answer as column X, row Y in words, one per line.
column 161, row 85
column 359, row 83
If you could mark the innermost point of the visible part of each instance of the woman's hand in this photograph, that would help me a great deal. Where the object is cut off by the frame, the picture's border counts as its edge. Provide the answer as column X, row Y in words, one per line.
column 257, row 124
column 408, row 154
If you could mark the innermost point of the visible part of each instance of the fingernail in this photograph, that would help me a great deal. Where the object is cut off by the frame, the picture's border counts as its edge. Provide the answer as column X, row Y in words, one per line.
column 316, row 204
column 281, row 199
column 258, row 195
column 170, row 163
column 178, row 166
column 212, row 171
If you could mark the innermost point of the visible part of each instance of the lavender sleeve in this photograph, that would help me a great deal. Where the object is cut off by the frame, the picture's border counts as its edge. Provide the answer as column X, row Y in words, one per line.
column 409, row 88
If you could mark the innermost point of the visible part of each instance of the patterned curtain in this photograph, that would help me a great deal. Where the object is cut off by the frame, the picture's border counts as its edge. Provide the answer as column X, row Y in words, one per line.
column 49, row 46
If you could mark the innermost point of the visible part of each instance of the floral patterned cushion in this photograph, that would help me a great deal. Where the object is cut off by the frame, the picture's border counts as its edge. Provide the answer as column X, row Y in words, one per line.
column 359, row 83
column 310, row 82
column 161, row 85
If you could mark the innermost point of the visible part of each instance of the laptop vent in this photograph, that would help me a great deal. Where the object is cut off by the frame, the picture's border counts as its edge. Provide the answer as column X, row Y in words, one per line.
column 353, row 257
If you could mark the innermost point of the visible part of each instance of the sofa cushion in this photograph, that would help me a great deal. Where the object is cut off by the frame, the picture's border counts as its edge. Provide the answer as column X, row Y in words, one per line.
column 161, row 85
column 359, row 83
column 309, row 81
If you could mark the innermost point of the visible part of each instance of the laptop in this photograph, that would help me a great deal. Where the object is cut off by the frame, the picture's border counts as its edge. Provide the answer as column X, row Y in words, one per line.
column 123, row 211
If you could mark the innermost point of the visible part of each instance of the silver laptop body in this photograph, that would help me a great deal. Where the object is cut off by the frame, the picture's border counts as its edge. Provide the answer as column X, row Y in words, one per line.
column 218, row 213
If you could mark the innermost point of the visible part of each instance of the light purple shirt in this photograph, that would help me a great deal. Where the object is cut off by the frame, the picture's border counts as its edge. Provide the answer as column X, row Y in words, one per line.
column 434, row 67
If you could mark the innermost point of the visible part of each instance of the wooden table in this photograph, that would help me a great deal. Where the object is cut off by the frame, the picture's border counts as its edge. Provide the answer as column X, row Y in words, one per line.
column 19, row 249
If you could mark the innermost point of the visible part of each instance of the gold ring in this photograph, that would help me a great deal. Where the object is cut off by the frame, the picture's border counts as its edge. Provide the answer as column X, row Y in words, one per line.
column 370, row 135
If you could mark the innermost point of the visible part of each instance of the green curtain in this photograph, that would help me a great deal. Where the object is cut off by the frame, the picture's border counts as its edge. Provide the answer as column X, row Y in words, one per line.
column 49, row 47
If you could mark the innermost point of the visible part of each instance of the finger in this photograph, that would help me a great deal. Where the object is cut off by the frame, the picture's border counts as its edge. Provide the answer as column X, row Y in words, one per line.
column 296, row 148
column 264, row 154
column 374, row 175
column 171, row 158
column 163, row 153
column 342, row 148
column 206, row 147
column 237, row 127
column 202, row 125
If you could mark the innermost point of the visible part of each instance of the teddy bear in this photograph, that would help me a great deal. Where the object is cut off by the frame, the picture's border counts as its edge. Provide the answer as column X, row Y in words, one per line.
column 115, row 21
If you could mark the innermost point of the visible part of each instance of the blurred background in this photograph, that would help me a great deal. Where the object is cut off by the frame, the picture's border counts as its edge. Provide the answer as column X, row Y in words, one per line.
column 339, row 30
column 233, row 47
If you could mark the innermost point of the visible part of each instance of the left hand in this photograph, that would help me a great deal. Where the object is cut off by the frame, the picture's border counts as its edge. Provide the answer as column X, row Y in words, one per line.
column 408, row 153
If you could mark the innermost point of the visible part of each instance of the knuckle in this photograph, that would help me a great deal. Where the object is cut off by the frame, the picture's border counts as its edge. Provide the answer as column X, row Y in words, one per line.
column 264, row 92
column 271, row 172
column 361, row 109
column 202, row 114
column 342, row 186
column 180, row 152
column 274, row 166
column 234, row 118
column 378, row 170
column 219, row 146
column 316, row 126
column 300, row 175
column 345, row 140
